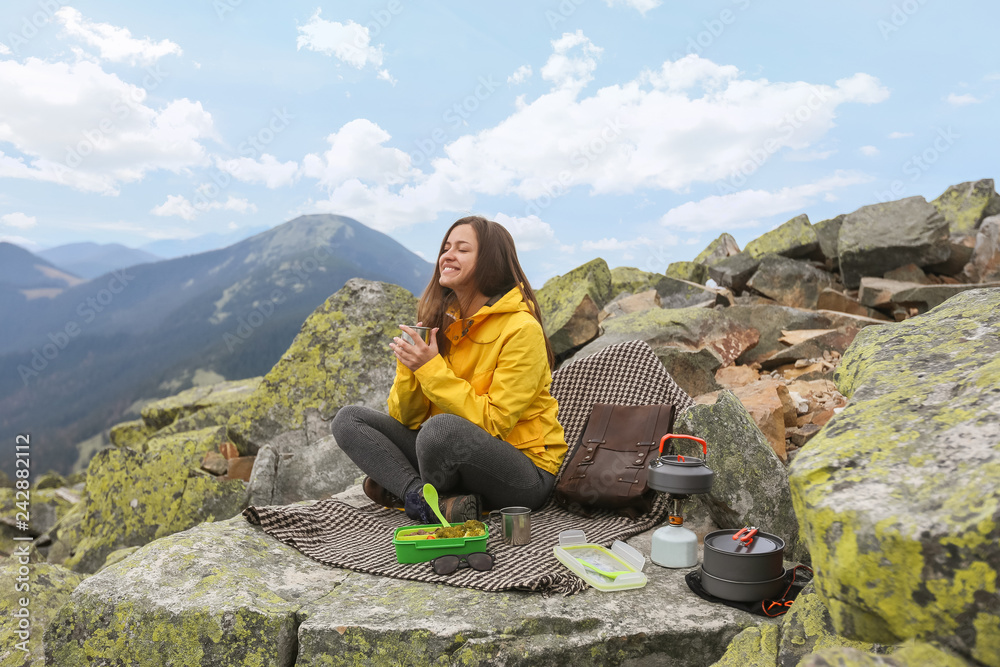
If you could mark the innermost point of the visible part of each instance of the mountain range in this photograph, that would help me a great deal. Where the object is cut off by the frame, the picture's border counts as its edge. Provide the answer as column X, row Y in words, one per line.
column 73, row 364
column 89, row 260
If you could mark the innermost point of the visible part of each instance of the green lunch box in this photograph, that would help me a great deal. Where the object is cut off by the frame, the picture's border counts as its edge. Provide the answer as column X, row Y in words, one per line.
column 421, row 551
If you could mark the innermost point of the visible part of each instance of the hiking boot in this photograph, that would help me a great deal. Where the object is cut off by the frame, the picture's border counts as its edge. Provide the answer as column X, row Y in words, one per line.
column 459, row 509
column 417, row 508
column 379, row 495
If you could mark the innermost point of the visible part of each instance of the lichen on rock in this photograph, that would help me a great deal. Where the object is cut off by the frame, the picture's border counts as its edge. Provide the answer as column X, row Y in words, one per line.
column 46, row 588
column 897, row 495
column 340, row 357
column 570, row 304
column 795, row 238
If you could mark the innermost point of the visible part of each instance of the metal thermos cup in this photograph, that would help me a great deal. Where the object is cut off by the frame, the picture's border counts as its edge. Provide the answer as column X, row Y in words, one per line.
column 515, row 525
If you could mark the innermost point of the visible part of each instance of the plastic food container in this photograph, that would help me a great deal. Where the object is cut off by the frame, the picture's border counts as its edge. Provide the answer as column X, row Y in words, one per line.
column 421, row 551
column 616, row 569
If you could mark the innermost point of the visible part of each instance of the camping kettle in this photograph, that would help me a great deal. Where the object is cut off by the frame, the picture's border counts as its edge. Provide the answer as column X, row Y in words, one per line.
column 681, row 475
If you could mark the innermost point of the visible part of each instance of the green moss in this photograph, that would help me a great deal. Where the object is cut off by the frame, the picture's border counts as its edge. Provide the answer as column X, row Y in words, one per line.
column 164, row 412
column 901, row 528
column 340, row 354
column 920, row 654
column 632, row 280
column 134, row 497
column 561, row 295
column 988, row 638
column 131, row 433
column 690, row 271
column 48, row 587
column 965, row 205
column 794, row 238
column 717, row 250
column 753, row 647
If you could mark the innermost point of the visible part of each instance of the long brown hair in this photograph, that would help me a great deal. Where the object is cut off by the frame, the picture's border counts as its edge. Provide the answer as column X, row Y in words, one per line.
column 497, row 271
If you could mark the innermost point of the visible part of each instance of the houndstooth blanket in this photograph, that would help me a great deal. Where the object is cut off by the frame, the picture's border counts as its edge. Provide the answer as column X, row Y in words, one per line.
column 340, row 535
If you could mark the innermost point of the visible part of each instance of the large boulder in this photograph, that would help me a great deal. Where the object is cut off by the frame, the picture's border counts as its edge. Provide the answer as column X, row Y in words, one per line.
column 965, row 205
column 795, row 238
column 897, row 495
column 227, row 594
column 677, row 293
column 691, row 342
column 628, row 279
column 881, row 237
column 46, row 588
column 750, row 485
column 134, row 497
column 340, row 357
column 718, row 250
column 790, row 282
column 984, row 265
column 827, row 232
column 570, row 305
column 734, row 271
column 690, row 271
column 204, row 406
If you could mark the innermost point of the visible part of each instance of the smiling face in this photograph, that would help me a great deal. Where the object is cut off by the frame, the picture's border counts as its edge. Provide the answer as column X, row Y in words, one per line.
column 457, row 262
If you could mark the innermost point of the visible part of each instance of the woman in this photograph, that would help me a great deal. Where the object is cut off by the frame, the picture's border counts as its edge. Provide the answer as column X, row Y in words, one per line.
column 470, row 412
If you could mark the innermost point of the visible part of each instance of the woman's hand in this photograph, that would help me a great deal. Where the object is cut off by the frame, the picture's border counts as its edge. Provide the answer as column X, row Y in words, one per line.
column 416, row 354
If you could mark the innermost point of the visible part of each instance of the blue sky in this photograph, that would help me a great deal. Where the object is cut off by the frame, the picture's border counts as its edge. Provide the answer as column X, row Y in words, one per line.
column 633, row 130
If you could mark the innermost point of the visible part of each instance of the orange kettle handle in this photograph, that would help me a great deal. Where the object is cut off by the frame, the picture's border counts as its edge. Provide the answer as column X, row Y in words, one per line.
column 704, row 445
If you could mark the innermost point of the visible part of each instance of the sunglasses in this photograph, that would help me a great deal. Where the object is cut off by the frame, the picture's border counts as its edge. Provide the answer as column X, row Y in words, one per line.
column 479, row 560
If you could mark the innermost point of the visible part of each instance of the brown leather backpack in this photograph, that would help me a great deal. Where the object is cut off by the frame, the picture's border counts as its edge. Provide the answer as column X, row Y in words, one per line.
column 608, row 466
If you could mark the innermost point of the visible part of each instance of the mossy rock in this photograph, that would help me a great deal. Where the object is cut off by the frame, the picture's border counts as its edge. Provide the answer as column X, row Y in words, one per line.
column 631, row 280
column 340, row 357
column 807, row 628
column 131, row 433
column 570, row 304
column 48, row 587
column 896, row 496
column 118, row 555
column 690, row 271
column 687, row 328
column 166, row 411
column 751, row 483
column 754, row 647
column 795, row 238
column 45, row 508
column 719, row 249
column 135, row 497
column 909, row 655
column 790, row 282
column 248, row 599
column 965, row 205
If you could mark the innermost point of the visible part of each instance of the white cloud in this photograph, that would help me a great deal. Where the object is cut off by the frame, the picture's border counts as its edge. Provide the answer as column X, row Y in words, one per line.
column 900, row 135
column 383, row 75
column 993, row 76
column 745, row 208
column 357, row 152
column 77, row 125
column 520, row 75
column 961, row 100
column 18, row 220
column 348, row 42
column 570, row 67
column 267, row 171
column 642, row 5
column 114, row 43
column 4, row 49
column 870, row 151
column 613, row 243
column 178, row 205
column 530, row 233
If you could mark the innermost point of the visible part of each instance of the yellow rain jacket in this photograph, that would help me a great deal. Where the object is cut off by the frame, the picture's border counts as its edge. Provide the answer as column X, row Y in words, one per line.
column 496, row 375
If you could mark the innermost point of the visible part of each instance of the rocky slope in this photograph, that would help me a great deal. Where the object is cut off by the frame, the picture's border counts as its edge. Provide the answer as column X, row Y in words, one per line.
column 881, row 395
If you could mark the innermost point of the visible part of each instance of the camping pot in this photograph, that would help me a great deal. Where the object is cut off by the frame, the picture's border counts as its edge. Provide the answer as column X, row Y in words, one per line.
column 682, row 475
column 743, row 591
column 744, row 555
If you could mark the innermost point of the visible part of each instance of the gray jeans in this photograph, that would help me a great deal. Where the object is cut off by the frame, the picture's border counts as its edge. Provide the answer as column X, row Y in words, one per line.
column 448, row 451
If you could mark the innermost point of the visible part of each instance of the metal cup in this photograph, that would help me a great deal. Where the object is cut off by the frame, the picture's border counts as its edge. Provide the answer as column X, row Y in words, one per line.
column 424, row 332
column 515, row 525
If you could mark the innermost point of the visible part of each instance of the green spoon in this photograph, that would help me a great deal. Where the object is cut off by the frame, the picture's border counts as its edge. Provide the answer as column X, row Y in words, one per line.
column 431, row 496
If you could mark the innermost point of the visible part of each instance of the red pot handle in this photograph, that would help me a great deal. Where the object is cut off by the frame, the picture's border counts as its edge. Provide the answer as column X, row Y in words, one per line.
column 704, row 445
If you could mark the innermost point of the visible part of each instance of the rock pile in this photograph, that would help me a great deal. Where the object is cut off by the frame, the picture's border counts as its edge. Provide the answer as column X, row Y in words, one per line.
column 813, row 346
